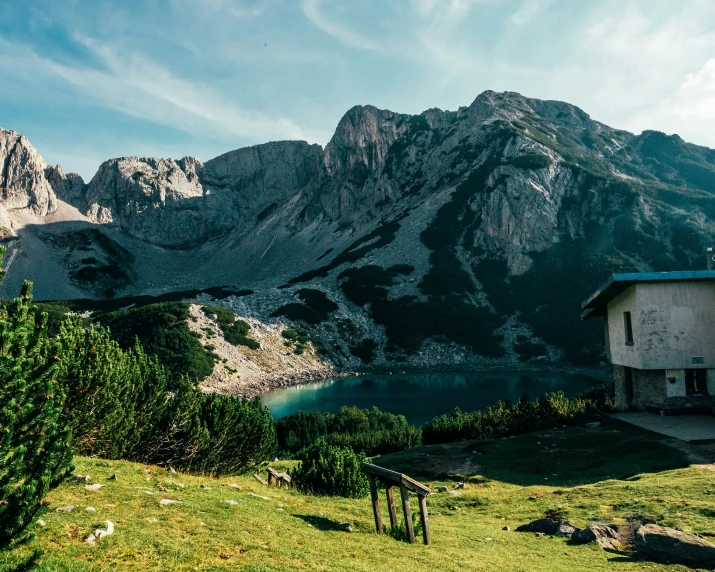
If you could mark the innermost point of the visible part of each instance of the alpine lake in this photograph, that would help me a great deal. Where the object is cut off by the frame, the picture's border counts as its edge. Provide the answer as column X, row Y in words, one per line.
column 421, row 396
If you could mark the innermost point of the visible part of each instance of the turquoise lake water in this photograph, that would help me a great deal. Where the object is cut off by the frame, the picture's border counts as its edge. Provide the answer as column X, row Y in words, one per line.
column 421, row 396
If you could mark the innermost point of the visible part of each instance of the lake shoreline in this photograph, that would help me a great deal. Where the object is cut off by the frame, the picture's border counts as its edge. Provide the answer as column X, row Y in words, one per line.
column 601, row 373
column 421, row 396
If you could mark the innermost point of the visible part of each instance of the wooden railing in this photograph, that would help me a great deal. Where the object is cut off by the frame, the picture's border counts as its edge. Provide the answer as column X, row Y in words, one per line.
column 390, row 479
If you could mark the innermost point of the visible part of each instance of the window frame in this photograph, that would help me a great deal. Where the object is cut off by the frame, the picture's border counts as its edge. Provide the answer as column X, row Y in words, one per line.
column 628, row 328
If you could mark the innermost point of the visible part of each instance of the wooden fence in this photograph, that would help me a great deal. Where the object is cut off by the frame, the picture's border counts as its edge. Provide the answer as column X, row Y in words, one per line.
column 390, row 479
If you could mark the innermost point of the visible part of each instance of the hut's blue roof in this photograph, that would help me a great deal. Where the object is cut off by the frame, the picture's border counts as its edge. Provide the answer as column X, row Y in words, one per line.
column 595, row 305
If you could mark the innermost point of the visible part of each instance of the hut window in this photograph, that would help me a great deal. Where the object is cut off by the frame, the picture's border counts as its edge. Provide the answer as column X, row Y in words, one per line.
column 627, row 324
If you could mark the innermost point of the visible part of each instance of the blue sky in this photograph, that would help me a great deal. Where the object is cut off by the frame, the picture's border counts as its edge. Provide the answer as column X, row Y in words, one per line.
column 87, row 80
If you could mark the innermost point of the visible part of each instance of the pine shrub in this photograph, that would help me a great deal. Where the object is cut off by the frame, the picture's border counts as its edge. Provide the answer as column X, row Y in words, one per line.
column 331, row 470
column 35, row 452
column 504, row 418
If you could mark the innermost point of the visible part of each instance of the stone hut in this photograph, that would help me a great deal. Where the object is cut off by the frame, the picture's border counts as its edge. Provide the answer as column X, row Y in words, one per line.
column 660, row 337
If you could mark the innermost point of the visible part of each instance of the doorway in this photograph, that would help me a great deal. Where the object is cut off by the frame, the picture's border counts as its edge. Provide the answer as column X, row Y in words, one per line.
column 696, row 382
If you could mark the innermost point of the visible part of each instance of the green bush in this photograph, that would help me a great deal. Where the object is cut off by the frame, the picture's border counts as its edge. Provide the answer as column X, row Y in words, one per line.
column 368, row 431
column 163, row 332
column 331, row 470
column 503, row 419
column 34, row 446
column 234, row 330
column 120, row 406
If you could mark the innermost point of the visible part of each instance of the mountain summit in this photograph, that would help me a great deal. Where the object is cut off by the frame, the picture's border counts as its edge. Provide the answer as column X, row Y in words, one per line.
column 446, row 238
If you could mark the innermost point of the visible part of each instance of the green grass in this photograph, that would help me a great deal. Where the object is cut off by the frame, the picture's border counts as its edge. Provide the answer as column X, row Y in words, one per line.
column 507, row 486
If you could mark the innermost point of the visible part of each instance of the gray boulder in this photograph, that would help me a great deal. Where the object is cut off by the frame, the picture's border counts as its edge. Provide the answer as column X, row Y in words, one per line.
column 549, row 526
column 606, row 536
column 670, row 545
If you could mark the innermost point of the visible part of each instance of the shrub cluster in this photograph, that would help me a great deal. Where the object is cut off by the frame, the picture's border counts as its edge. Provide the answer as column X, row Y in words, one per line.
column 331, row 470
column 163, row 332
column 296, row 339
column 234, row 330
column 119, row 406
column 504, row 418
column 368, row 431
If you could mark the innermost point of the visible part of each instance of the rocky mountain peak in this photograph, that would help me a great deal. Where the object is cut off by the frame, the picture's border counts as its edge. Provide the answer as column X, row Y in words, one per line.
column 362, row 138
column 23, row 183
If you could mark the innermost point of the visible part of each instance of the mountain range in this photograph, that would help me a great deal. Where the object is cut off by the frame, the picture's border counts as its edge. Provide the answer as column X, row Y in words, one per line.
column 446, row 239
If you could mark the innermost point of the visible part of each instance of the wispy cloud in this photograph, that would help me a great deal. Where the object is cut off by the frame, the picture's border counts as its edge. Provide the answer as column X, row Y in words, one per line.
column 140, row 87
column 338, row 30
column 528, row 10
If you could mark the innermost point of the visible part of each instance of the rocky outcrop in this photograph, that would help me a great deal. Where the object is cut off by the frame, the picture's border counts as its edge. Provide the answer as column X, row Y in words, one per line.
column 27, row 182
column 674, row 546
column 22, row 176
column 182, row 203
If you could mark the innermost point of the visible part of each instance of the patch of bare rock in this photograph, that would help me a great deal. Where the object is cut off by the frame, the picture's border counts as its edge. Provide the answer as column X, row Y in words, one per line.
column 240, row 370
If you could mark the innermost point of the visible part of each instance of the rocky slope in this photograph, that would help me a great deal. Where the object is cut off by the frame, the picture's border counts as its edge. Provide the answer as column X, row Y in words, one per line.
column 449, row 239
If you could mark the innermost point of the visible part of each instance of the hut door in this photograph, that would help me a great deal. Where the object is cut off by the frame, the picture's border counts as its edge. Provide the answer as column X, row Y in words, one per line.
column 696, row 382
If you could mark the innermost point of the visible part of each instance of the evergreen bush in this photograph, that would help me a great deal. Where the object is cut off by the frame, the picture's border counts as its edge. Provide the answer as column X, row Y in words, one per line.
column 35, row 452
column 505, row 418
column 368, row 431
column 331, row 470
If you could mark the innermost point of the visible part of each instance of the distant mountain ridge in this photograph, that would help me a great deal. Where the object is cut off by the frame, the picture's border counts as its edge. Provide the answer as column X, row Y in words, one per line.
column 451, row 238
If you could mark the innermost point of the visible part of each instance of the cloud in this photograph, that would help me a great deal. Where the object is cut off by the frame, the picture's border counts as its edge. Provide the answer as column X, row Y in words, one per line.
column 695, row 99
column 135, row 85
column 341, row 32
column 528, row 11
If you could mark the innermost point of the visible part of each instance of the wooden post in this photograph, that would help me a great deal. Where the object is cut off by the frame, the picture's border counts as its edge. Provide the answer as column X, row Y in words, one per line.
column 375, row 504
column 425, row 520
column 405, row 494
column 391, row 507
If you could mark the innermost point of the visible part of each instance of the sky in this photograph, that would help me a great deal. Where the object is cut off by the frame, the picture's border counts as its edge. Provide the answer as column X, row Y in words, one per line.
column 88, row 80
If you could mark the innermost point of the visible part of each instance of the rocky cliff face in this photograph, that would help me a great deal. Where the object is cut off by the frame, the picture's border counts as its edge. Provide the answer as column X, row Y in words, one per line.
column 26, row 182
column 446, row 239
column 180, row 204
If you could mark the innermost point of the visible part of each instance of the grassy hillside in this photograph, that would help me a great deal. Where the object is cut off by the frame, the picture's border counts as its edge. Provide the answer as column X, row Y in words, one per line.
column 511, row 482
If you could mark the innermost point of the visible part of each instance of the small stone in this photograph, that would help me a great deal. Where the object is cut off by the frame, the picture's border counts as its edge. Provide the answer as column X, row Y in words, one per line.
column 593, row 424
column 234, row 486
column 442, row 489
column 113, row 477
column 171, row 470
column 82, row 478
column 488, row 538
column 275, row 460
column 101, row 533
column 455, row 493
column 165, row 502
column 152, row 519
column 459, row 486
column 539, row 534
column 279, row 509
column 68, row 508
column 231, row 501
column 506, row 528
column 41, row 522
column 258, row 496
column 91, row 509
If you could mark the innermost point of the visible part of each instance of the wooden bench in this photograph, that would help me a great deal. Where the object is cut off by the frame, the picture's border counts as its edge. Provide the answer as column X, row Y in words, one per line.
column 278, row 479
column 392, row 478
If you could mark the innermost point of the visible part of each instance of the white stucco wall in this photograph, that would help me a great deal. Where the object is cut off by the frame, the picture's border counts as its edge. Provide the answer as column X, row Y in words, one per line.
column 672, row 323
column 675, row 388
column 621, row 354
